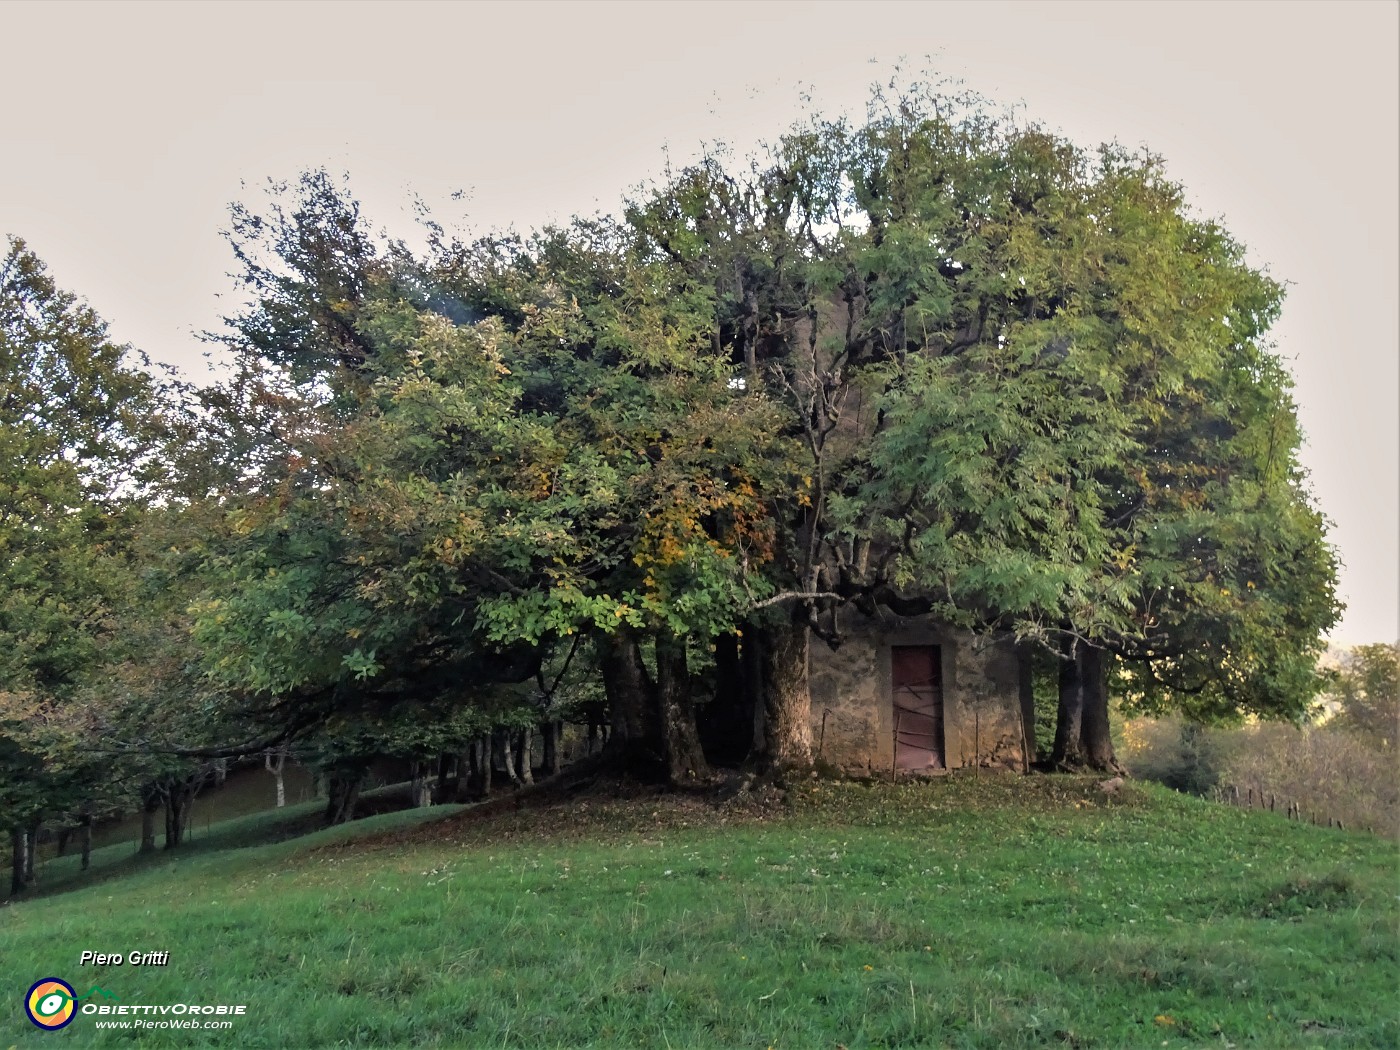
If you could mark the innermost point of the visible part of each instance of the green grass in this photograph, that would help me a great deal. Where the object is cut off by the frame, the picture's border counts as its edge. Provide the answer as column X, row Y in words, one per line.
column 1000, row 912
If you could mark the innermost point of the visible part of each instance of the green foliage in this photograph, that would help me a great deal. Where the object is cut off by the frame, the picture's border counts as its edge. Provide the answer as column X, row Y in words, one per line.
column 486, row 486
column 81, row 430
column 1031, row 390
column 938, row 360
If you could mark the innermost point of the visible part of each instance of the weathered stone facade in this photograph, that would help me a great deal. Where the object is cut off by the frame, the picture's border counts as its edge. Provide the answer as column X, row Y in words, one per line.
column 985, row 699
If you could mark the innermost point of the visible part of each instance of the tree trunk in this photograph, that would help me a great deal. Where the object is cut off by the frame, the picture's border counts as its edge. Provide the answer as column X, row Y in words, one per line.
column 636, row 728
column 151, row 799
column 444, row 773
column 549, row 737
column 85, row 841
column 1068, row 753
column 1026, row 689
column 685, row 759
column 19, row 844
column 487, row 765
column 275, row 761
column 1097, row 744
column 342, row 792
column 787, row 701
column 524, row 761
column 31, row 852
column 504, row 753
column 468, row 775
column 178, row 795
column 596, row 715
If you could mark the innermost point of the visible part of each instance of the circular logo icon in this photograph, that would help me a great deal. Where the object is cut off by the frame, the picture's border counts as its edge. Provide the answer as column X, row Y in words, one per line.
column 50, row 1003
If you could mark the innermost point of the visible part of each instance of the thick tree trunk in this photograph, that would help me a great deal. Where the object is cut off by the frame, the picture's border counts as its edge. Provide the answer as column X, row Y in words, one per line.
column 636, row 728
column 787, row 701
column 1097, row 744
column 1068, row 753
column 685, row 759
column 486, row 766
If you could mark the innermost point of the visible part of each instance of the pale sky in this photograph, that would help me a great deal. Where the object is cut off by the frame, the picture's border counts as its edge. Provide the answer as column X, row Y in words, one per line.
column 130, row 127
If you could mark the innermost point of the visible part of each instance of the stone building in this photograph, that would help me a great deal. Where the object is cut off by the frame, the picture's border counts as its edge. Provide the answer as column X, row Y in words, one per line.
column 910, row 695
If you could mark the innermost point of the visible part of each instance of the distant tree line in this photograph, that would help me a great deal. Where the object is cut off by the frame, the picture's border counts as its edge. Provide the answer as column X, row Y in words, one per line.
column 624, row 472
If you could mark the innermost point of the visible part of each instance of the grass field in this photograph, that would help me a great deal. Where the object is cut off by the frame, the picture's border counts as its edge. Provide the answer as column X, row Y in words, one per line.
column 1000, row 912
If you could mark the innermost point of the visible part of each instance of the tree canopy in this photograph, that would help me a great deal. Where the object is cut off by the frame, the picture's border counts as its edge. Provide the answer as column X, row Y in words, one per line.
column 937, row 361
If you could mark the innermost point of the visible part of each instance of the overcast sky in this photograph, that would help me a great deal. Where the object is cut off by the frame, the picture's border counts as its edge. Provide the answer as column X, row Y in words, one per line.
column 130, row 127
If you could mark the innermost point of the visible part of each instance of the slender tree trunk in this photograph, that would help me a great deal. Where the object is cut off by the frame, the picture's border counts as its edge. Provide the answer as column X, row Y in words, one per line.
column 466, row 773
column 176, row 802
column 597, row 717
column 275, row 761
column 31, row 852
column 636, row 728
column 504, row 753
column 444, row 774
column 1068, row 752
column 787, row 700
column 1094, row 729
column 342, row 792
column 524, row 761
column 487, row 765
column 151, row 800
column 220, row 771
column 19, row 845
column 85, row 840
column 685, row 759
column 1026, row 689
column 549, row 742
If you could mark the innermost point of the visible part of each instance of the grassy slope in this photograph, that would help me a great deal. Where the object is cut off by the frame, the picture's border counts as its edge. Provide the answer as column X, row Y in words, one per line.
column 964, row 913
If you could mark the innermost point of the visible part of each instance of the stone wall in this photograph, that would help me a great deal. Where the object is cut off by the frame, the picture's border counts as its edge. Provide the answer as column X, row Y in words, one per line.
column 852, row 696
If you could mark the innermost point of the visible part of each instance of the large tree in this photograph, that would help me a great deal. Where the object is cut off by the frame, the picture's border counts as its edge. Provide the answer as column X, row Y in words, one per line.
column 532, row 442
column 81, row 427
column 1034, row 395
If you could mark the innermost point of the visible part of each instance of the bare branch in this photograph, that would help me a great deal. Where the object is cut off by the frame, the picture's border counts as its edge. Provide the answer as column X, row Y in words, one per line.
column 787, row 596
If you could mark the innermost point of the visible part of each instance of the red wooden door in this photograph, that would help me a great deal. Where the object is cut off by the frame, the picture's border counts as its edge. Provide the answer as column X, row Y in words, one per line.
column 918, row 707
